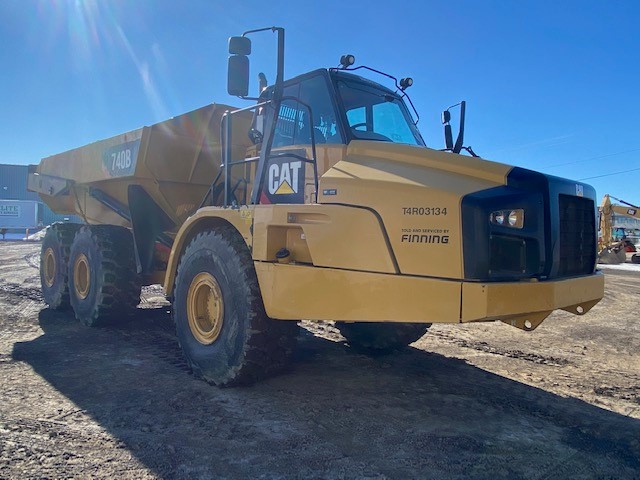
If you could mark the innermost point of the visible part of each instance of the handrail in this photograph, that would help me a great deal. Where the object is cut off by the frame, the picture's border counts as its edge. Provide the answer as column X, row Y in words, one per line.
column 226, row 132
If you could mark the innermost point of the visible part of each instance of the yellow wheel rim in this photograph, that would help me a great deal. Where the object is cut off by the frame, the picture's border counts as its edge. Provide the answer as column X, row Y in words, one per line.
column 49, row 267
column 81, row 276
column 205, row 308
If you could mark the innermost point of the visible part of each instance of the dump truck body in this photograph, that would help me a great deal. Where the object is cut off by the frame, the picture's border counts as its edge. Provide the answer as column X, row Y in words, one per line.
column 175, row 162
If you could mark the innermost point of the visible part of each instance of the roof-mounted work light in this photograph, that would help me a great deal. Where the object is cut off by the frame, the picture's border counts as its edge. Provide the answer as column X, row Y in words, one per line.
column 347, row 60
column 405, row 83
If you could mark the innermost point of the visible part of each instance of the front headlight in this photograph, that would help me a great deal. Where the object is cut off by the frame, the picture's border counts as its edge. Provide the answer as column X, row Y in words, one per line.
column 508, row 218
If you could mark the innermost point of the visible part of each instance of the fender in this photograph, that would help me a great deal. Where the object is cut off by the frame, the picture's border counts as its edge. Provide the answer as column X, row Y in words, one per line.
column 205, row 218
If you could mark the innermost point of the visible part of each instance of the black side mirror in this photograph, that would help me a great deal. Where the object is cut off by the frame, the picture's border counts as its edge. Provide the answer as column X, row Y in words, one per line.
column 238, row 66
column 239, row 46
column 238, row 76
column 448, row 136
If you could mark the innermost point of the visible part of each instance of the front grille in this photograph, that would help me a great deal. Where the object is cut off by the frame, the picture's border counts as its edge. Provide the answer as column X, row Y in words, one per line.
column 577, row 236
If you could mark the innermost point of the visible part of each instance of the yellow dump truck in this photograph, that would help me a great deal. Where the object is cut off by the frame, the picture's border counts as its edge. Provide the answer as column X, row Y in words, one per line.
column 319, row 201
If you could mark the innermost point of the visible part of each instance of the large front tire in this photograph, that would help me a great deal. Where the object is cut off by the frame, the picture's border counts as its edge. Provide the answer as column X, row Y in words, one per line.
column 103, row 282
column 223, row 329
column 54, row 258
column 375, row 337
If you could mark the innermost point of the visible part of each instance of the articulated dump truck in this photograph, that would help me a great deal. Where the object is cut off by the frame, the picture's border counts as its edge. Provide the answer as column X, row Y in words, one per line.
column 318, row 201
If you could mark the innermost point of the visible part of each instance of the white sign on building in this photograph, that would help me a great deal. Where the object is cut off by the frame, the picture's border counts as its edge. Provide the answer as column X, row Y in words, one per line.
column 9, row 210
column 19, row 214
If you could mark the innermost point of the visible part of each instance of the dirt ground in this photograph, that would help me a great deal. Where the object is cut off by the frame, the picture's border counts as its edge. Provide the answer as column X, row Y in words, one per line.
column 473, row 401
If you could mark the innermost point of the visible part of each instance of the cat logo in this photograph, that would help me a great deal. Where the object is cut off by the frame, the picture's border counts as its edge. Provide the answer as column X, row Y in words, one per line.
column 284, row 178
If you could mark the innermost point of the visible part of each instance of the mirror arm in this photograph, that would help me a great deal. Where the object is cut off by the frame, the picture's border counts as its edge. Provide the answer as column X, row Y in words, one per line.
column 458, row 146
column 276, row 100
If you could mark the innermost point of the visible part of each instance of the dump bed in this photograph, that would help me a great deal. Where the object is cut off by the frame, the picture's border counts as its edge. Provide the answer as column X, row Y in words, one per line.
column 174, row 162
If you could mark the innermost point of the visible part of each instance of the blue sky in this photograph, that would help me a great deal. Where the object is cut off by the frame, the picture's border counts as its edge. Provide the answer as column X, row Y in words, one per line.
column 550, row 85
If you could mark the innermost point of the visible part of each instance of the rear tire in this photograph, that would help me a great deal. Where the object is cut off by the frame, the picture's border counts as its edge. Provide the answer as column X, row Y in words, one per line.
column 374, row 337
column 103, row 282
column 223, row 329
column 54, row 258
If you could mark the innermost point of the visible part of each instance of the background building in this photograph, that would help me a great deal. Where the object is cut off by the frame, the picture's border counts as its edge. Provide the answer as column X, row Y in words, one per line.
column 20, row 209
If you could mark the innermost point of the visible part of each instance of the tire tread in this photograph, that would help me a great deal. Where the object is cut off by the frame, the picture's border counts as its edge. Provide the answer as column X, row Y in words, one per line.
column 120, row 283
column 270, row 342
column 63, row 234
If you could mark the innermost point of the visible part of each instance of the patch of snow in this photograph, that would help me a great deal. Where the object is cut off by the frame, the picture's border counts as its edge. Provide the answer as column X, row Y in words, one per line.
column 38, row 236
column 629, row 267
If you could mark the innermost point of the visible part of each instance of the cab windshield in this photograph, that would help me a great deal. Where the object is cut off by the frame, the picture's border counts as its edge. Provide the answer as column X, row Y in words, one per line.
column 376, row 114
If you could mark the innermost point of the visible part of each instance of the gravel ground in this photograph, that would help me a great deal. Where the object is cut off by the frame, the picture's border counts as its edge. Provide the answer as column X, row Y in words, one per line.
column 472, row 401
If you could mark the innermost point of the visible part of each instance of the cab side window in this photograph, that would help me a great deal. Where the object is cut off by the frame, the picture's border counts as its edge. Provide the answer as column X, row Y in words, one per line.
column 295, row 123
